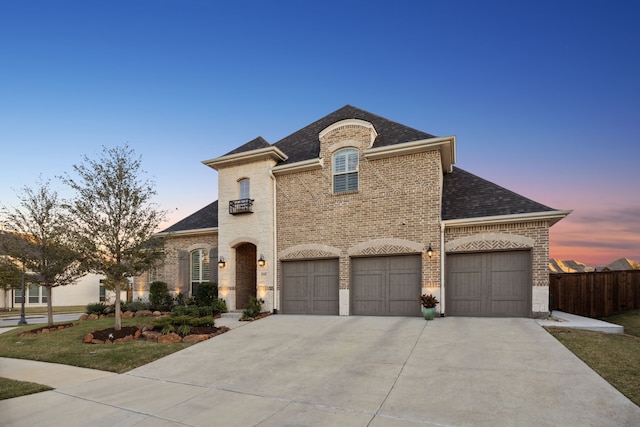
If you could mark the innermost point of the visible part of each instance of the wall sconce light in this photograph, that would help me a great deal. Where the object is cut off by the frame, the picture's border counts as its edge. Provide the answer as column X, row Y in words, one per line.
column 221, row 262
column 429, row 251
column 261, row 261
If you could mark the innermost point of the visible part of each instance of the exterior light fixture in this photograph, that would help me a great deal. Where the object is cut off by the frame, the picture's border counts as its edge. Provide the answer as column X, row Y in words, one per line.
column 261, row 261
column 221, row 262
column 429, row 251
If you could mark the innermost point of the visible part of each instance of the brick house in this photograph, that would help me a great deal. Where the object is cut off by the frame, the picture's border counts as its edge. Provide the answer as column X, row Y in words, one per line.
column 355, row 214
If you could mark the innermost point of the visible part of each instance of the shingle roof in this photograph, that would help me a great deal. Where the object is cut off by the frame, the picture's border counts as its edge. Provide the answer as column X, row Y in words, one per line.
column 206, row 217
column 254, row 144
column 304, row 144
column 465, row 195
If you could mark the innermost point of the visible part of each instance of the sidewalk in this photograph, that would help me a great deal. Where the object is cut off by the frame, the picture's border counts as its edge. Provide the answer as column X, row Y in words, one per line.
column 567, row 320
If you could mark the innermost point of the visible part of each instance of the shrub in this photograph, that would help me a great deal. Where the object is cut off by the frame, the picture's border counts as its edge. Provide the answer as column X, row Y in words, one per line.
column 219, row 306
column 184, row 329
column 134, row 306
column 181, row 310
column 159, row 296
column 202, row 321
column 206, row 293
column 181, row 324
column 253, row 309
column 97, row 308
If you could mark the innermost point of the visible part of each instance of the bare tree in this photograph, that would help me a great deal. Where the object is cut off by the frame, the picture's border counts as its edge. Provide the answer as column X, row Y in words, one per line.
column 41, row 241
column 114, row 219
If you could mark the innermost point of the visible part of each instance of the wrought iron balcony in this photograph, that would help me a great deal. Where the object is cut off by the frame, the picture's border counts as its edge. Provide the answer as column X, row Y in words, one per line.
column 241, row 206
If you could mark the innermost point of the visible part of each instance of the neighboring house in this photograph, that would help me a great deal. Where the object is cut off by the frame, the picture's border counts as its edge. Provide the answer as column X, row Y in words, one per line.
column 355, row 214
column 86, row 290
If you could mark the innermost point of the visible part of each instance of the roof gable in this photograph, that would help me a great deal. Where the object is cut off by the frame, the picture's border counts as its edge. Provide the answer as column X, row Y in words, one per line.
column 254, row 144
column 304, row 144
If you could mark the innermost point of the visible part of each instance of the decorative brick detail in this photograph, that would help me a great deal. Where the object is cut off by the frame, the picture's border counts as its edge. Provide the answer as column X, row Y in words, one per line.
column 489, row 242
column 308, row 254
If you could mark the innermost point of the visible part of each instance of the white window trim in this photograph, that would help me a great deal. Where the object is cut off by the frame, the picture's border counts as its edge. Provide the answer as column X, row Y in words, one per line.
column 345, row 152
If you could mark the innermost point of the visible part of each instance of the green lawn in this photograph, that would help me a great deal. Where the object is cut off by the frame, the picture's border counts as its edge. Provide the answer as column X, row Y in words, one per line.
column 615, row 357
column 66, row 347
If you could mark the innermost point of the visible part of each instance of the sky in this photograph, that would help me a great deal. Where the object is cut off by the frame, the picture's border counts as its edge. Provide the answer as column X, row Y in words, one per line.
column 542, row 96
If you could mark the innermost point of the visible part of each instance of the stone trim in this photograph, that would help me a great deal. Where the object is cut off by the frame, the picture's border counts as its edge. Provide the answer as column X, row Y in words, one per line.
column 307, row 251
column 235, row 242
column 344, row 144
column 199, row 246
column 489, row 242
column 353, row 123
column 386, row 246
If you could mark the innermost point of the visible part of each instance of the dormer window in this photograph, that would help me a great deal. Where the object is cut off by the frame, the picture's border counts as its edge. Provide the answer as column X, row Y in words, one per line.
column 345, row 171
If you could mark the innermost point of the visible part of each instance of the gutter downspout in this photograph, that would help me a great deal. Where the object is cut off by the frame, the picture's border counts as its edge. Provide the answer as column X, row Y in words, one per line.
column 275, row 247
column 442, row 275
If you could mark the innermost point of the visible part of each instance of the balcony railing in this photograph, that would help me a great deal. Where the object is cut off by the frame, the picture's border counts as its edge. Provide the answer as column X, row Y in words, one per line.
column 241, row 206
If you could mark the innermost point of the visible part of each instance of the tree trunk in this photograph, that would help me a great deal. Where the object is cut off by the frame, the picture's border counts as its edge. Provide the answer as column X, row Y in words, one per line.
column 49, row 306
column 118, row 322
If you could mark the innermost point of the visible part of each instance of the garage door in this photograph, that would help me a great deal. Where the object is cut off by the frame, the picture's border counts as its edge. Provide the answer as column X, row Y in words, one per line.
column 386, row 286
column 492, row 284
column 310, row 287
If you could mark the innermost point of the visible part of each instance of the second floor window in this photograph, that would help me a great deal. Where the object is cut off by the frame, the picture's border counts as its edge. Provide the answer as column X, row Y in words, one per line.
column 245, row 189
column 345, row 171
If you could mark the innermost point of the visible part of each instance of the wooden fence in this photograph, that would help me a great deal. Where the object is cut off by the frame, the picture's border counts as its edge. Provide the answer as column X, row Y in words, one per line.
column 596, row 294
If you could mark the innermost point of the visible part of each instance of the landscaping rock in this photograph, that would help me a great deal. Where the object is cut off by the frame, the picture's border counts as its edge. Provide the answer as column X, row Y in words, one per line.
column 83, row 316
column 169, row 338
column 195, row 338
column 157, row 313
column 143, row 313
column 151, row 335
column 97, row 342
column 93, row 316
column 88, row 339
column 127, row 314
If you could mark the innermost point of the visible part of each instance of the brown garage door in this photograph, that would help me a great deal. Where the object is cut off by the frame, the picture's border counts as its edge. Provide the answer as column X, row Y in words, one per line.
column 310, row 287
column 386, row 286
column 491, row 284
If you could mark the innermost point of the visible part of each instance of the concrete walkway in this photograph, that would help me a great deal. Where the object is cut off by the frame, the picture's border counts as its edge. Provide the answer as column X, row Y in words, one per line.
column 568, row 320
column 346, row 371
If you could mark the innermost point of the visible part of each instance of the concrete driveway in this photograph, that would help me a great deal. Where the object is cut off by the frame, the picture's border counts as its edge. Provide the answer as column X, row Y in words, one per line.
column 347, row 371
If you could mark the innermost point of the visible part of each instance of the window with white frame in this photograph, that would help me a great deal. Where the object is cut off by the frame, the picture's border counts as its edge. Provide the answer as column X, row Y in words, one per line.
column 245, row 188
column 345, row 170
column 200, row 268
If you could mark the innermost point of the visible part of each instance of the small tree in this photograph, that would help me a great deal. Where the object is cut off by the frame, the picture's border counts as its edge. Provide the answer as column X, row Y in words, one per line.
column 41, row 241
column 114, row 219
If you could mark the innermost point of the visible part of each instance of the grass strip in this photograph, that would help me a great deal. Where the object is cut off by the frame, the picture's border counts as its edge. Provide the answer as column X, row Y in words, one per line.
column 12, row 388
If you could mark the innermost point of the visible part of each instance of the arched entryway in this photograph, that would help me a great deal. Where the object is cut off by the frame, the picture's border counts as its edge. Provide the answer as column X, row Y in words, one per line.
column 245, row 274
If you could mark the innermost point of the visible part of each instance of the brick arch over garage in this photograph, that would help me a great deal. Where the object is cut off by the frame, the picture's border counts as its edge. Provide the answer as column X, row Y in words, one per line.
column 386, row 246
column 489, row 242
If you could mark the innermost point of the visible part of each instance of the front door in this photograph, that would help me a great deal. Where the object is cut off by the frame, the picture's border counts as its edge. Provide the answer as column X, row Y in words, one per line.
column 245, row 274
